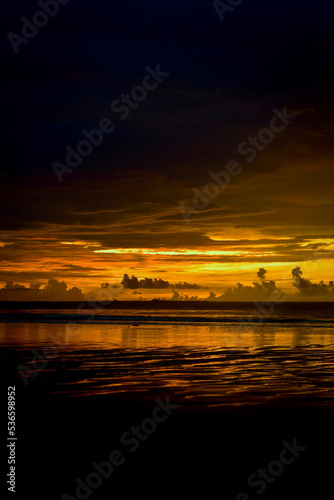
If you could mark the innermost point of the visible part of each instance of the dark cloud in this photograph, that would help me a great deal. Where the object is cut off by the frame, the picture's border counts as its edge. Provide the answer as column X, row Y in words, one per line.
column 261, row 273
column 54, row 290
column 149, row 283
column 156, row 283
column 264, row 290
column 186, row 286
column 183, row 297
column 311, row 290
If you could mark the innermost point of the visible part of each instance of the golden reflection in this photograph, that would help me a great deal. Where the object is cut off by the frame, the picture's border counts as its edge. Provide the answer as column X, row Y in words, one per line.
column 215, row 364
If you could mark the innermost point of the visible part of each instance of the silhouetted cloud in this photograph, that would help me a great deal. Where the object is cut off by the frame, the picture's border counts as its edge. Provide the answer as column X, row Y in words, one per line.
column 309, row 289
column 110, row 285
column 133, row 283
column 261, row 273
column 53, row 291
column 156, row 283
column 183, row 297
column 186, row 286
column 265, row 290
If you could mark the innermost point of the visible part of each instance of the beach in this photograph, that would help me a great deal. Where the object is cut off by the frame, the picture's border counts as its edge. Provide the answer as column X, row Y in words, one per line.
column 232, row 393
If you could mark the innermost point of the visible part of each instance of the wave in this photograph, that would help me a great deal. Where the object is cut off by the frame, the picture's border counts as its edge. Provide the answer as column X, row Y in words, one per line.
column 156, row 320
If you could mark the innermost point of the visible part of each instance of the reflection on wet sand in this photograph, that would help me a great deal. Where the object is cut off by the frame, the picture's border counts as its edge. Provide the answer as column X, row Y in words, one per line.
column 203, row 364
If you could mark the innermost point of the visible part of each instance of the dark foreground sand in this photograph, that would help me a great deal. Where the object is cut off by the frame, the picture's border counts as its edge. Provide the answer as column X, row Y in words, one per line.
column 197, row 451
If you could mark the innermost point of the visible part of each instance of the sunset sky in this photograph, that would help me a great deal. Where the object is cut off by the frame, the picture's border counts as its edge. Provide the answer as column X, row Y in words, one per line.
column 118, row 212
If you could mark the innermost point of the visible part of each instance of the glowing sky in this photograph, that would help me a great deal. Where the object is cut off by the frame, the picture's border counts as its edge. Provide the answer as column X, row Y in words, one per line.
column 118, row 212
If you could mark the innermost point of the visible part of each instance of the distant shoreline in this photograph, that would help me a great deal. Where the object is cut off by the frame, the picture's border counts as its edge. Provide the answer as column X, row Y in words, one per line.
column 149, row 304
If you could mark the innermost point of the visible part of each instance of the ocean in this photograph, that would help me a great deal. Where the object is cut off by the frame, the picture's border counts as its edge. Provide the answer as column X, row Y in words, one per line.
column 214, row 356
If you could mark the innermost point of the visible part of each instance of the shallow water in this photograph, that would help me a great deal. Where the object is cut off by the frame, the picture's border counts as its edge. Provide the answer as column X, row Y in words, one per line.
column 206, row 363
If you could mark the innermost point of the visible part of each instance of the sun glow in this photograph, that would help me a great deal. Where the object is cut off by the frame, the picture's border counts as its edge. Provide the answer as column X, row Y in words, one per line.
column 184, row 252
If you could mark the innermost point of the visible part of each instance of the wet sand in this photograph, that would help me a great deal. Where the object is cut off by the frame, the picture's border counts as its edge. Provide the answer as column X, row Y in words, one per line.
column 239, row 397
